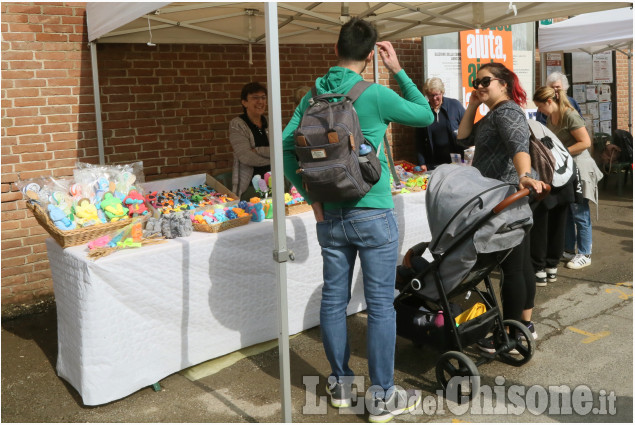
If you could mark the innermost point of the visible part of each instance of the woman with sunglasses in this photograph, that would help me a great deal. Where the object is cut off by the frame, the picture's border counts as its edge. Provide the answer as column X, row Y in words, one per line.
column 248, row 136
column 501, row 140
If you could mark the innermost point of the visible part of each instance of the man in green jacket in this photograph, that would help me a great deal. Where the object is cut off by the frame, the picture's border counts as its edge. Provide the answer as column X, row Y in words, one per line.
column 366, row 227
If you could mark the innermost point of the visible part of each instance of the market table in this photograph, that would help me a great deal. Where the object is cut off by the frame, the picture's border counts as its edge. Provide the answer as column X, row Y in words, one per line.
column 127, row 320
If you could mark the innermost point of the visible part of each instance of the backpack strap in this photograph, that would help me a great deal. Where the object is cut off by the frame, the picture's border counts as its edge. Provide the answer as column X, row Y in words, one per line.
column 353, row 94
column 395, row 178
column 358, row 89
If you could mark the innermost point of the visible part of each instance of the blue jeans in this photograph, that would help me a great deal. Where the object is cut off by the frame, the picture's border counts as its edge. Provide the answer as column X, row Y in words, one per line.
column 373, row 233
column 578, row 228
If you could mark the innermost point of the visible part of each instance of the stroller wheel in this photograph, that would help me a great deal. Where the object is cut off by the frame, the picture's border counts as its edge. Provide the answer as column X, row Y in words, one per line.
column 524, row 341
column 458, row 376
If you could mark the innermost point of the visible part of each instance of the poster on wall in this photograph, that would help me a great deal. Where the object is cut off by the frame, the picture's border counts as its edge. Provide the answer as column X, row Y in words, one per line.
column 581, row 67
column 605, row 127
column 583, row 108
column 579, row 93
column 446, row 65
column 606, row 112
column 591, row 93
column 604, row 93
column 479, row 47
column 554, row 63
column 596, row 126
column 523, row 60
column 593, row 110
column 603, row 67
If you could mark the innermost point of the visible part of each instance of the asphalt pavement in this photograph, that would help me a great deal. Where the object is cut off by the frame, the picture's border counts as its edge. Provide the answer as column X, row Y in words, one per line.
column 582, row 370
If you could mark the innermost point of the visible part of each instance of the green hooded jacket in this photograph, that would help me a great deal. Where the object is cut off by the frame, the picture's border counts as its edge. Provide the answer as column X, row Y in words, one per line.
column 376, row 108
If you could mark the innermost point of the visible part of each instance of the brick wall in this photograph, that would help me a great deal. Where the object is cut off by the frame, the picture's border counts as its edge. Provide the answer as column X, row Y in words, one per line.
column 621, row 67
column 168, row 105
column 47, row 123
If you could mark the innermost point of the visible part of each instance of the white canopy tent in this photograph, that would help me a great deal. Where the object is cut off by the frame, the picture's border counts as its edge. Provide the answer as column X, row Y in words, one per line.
column 593, row 33
column 589, row 32
column 295, row 22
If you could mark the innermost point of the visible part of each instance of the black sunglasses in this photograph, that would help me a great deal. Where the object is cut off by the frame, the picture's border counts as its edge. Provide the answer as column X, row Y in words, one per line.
column 485, row 82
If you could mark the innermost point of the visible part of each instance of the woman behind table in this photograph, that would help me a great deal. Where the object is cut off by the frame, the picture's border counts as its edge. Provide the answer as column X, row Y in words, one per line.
column 437, row 141
column 569, row 127
column 248, row 135
column 501, row 140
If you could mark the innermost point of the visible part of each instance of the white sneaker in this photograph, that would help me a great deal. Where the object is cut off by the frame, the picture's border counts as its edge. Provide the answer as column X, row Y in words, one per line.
column 400, row 401
column 552, row 274
column 579, row 261
column 567, row 256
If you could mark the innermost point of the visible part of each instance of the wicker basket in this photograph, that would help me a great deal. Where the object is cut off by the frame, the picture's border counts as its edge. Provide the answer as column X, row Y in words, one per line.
column 224, row 225
column 66, row 238
column 298, row 208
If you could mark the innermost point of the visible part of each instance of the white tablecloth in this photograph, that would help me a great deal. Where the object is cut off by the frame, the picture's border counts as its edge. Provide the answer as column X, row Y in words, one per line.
column 127, row 320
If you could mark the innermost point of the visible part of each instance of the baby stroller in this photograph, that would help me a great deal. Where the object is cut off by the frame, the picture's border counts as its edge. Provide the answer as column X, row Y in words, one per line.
column 475, row 222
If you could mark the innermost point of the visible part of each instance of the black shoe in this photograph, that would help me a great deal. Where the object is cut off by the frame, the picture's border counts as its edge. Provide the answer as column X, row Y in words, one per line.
column 541, row 278
column 487, row 344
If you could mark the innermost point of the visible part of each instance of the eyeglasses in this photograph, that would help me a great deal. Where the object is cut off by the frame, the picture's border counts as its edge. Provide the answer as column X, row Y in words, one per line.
column 485, row 82
column 263, row 97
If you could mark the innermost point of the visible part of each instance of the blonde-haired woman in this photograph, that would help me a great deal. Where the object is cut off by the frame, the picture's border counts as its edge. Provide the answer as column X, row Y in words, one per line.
column 569, row 127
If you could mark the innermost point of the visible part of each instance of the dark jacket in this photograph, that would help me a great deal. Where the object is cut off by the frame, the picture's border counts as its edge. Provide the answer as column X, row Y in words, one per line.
column 429, row 155
column 542, row 118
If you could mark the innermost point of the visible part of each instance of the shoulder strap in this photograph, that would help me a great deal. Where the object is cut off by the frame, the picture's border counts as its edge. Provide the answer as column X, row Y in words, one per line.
column 358, row 89
column 395, row 177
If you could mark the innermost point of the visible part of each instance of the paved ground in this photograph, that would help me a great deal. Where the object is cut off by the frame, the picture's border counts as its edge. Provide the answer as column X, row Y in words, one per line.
column 585, row 349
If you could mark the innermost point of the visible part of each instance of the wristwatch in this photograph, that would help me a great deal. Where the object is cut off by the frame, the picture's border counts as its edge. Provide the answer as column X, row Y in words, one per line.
column 527, row 174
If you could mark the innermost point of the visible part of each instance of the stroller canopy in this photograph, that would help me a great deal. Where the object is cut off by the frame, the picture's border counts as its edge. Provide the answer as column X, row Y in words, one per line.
column 459, row 203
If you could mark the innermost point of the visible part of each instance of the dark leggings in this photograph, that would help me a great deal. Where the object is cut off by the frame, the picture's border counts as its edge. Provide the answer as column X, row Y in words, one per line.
column 519, row 281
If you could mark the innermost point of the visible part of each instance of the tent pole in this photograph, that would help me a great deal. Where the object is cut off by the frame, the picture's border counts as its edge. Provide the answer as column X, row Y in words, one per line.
column 100, row 133
column 280, row 254
column 629, row 57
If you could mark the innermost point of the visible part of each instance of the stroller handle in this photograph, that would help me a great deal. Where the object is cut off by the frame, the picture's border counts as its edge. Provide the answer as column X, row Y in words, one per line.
column 519, row 195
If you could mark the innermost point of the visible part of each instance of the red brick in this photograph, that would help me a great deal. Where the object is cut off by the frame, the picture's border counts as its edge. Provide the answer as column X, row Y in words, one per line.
column 16, row 55
column 60, row 163
column 23, row 92
column 22, row 121
column 12, row 253
column 35, row 82
column 8, row 75
column 22, row 112
column 30, row 145
column 59, row 65
column 49, row 37
column 37, row 156
column 63, row 137
column 39, row 257
column 16, row 131
column 57, row 10
column 23, row 167
column 18, row 36
column 19, row 27
column 63, row 100
column 29, row 101
column 13, row 280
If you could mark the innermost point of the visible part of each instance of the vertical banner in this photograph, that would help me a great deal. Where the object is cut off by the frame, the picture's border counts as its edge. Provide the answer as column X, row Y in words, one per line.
column 479, row 47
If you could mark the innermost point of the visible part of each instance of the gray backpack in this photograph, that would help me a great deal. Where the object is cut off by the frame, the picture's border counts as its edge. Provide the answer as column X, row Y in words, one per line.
column 328, row 141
